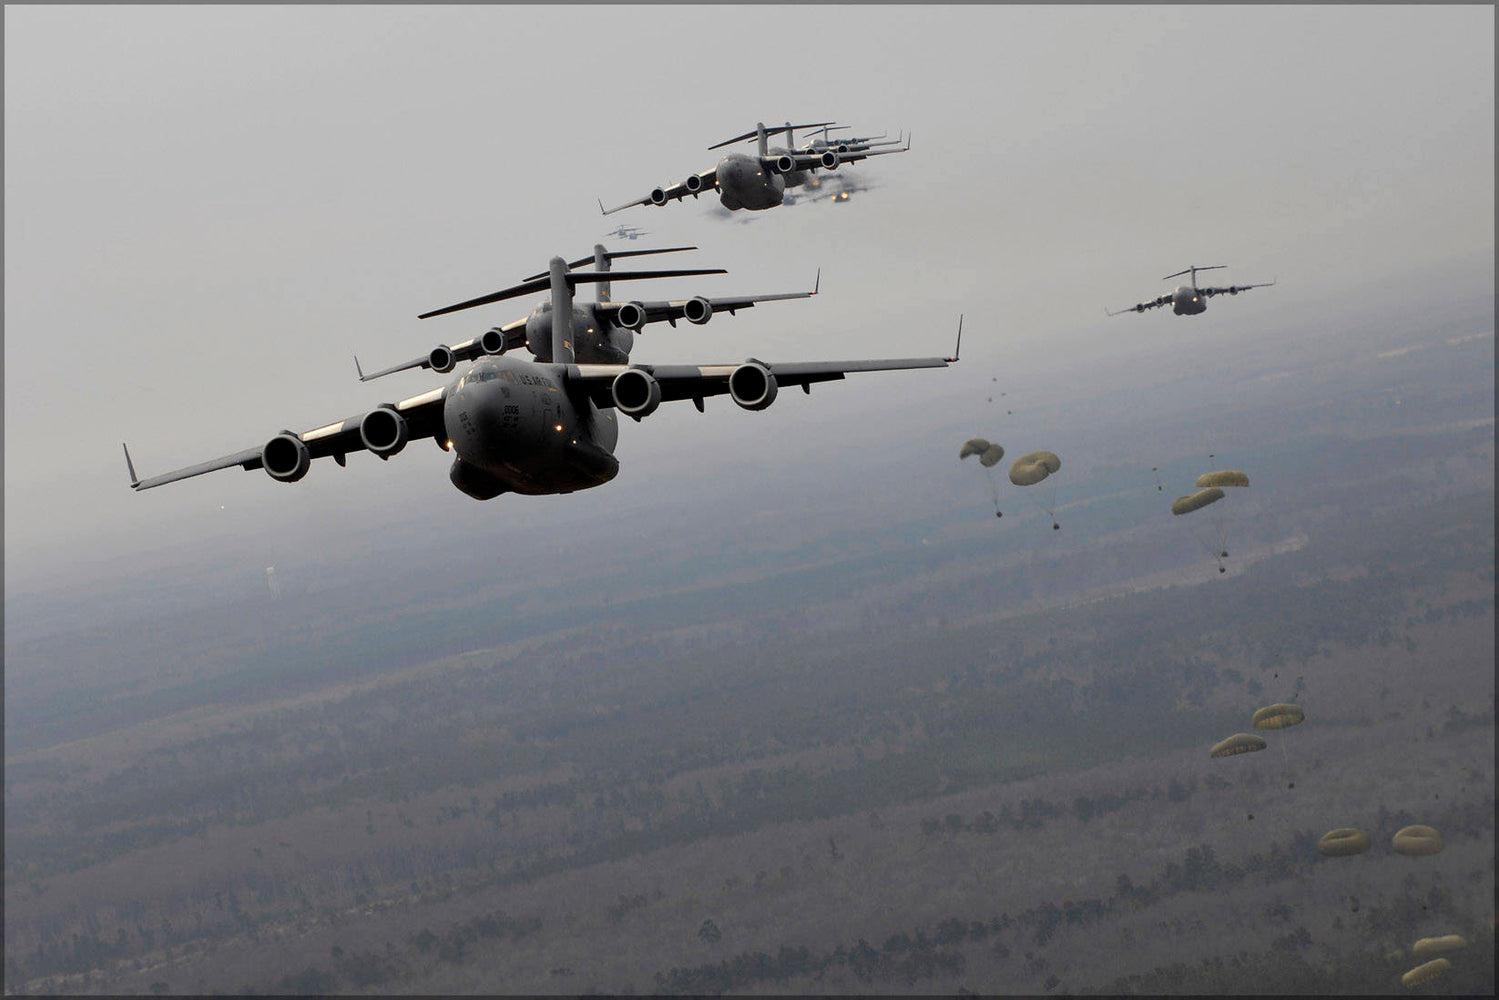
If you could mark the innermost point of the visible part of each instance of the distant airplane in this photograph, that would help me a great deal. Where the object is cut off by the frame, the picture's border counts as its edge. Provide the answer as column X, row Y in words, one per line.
column 847, row 144
column 1189, row 300
column 627, row 232
column 520, row 426
column 839, row 188
column 604, row 331
column 755, row 183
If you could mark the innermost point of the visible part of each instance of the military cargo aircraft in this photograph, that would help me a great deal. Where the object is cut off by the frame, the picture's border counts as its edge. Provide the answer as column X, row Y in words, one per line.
column 604, row 330
column 1189, row 300
column 846, row 144
column 755, row 183
column 839, row 188
column 628, row 232
column 530, row 427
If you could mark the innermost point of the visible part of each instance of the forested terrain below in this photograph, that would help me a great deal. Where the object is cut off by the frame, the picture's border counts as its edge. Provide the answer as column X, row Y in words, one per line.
column 974, row 798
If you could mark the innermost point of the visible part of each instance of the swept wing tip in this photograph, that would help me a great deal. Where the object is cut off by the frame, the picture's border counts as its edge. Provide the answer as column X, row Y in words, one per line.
column 134, row 479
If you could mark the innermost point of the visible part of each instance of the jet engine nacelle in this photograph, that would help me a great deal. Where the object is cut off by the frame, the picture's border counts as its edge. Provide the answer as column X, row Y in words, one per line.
column 636, row 393
column 752, row 386
column 785, row 164
column 697, row 310
column 384, row 431
column 285, row 458
column 493, row 341
column 631, row 316
column 693, row 183
column 442, row 359
column 658, row 196
column 829, row 159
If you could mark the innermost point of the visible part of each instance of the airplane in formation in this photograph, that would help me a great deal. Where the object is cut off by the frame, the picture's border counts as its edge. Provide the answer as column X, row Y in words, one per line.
column 604, row 331
column 847, row 144
column 839, row 188
column 758, row 182
column 1189, row 300
column 531, row 427
column 627, row 232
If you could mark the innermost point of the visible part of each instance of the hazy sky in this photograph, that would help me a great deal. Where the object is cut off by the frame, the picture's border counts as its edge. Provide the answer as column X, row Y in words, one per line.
column 209, row 210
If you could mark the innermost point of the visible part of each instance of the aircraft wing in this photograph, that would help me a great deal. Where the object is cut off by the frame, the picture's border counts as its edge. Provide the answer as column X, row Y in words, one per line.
column 513, row 333
column 810, row 160
column 676, row 309
column 1233, row 289
column 423, row 415
column 1140, row 307
column 695, row 382
column 708, row 179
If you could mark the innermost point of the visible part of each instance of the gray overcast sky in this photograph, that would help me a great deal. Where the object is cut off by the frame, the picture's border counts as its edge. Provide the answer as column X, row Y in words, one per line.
column 209, row 209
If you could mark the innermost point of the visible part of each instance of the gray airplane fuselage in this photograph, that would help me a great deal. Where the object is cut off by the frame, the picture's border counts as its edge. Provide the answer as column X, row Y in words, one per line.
column 515, row 428
column 595, row 340
column 743, row 182
column 1186, row 301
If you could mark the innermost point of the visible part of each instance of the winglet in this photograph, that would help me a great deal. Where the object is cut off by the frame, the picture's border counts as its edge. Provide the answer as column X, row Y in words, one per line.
column 135, row 482
column 358, row 369
column 959, row 344
column 818, row 283
column 601, row 207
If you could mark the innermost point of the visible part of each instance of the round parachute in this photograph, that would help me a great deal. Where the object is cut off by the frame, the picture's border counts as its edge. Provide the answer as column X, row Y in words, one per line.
column 1425, row 973
column 974, row 446
column 1225, row 478
column 1279, row 716
column 989, row 455
column 1417, row 841
column 1344, row 842
column 1196, row 501
column 1032, row 468
column 1237, row 744
column 1426, row 947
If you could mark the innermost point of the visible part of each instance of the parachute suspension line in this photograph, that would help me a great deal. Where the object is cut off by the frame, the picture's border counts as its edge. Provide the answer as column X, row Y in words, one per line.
column 994, row 492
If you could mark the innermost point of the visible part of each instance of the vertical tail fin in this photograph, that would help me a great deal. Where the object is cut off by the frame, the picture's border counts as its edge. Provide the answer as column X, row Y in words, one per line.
column 601, row 260
column 562, row 314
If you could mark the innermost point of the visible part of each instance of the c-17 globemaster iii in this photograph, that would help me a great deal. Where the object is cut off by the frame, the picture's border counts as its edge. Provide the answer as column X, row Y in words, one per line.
column 631, row 233
column 604, row 331
column 757, row 182
column 1189, row 300
column 529, row 427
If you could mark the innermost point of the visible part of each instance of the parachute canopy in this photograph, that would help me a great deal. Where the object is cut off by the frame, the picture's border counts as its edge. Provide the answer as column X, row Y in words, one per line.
column 1225, row 478
column 973, row 446
column 991, row 456
column 1279, row 716
column 1343, row 842
column 1237, row 744
column 1030, row 469
column 1196, row 501
column 1425, row 973
column 1426, row 947
column 1417, row 840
